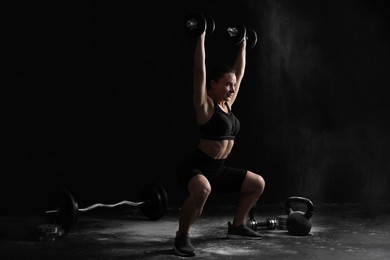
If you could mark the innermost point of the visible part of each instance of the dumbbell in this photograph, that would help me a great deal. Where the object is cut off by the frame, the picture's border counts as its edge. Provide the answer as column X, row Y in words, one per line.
column 196, row 23
column 268, row 223
column 63, row 209
column 236, row 32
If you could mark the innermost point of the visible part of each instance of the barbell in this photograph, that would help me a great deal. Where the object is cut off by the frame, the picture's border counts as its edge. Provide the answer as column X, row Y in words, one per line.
column 63, row 208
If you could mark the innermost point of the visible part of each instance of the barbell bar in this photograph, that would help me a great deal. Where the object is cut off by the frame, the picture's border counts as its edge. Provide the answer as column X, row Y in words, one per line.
column 63, row 208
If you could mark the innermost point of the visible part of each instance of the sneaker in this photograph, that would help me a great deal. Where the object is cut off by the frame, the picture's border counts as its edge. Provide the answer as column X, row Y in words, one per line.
column 183, row 246
column 242, row 232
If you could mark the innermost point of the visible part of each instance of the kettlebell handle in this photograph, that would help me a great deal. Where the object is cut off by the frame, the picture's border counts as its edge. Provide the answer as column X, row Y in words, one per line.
column 309, row 205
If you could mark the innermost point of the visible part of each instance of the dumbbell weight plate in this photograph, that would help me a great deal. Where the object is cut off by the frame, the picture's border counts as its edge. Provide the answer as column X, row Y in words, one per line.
column 235, row 33
column 251, row 38
column 282, row 222
column 195, row 24
column 156, row 201
column 210, row 25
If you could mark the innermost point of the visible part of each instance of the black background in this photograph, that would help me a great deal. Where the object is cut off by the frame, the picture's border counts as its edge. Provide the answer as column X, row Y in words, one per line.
column 97, row 98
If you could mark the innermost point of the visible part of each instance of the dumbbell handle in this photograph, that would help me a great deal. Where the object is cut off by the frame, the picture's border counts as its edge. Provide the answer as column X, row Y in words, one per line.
column 100, row 205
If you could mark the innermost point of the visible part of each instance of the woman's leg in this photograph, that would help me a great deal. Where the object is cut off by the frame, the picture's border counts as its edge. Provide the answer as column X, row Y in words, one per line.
column 251, row 189
column 199, row 189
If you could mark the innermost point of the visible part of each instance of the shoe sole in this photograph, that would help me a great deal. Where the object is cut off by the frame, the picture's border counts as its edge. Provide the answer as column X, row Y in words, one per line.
column 182, row 254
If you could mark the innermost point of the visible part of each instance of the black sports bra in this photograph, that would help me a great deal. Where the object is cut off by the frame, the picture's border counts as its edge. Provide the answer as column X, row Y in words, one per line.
column 221, row 126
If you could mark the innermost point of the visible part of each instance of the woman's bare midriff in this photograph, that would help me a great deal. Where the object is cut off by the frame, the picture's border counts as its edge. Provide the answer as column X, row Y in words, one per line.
column 217, row 149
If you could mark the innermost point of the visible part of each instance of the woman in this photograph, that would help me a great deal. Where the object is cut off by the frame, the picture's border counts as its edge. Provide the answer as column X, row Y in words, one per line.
column 204, row 170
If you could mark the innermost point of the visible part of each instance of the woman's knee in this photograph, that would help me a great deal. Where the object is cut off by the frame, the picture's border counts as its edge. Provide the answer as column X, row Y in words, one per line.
column 253, row 182
column 199, row 187
column 260, row 183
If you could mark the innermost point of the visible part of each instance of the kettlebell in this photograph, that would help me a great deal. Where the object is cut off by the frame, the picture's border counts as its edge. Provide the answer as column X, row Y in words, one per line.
column 298, row 223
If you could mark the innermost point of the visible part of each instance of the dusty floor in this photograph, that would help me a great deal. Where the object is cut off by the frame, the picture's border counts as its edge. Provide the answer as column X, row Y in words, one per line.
column 335, row 234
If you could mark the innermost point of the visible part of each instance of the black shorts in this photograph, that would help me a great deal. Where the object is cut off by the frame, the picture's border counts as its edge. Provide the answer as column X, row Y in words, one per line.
column 222, row 178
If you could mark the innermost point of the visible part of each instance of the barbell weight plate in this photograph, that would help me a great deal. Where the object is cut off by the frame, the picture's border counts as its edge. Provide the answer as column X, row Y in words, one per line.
column 235, row 33
column 66, row 209
column 210, row 25
column 156, row 201
column 194, row 24
column 251, row 38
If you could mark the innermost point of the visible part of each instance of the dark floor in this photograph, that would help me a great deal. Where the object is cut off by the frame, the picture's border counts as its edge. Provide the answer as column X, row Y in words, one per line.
column 337, row 233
